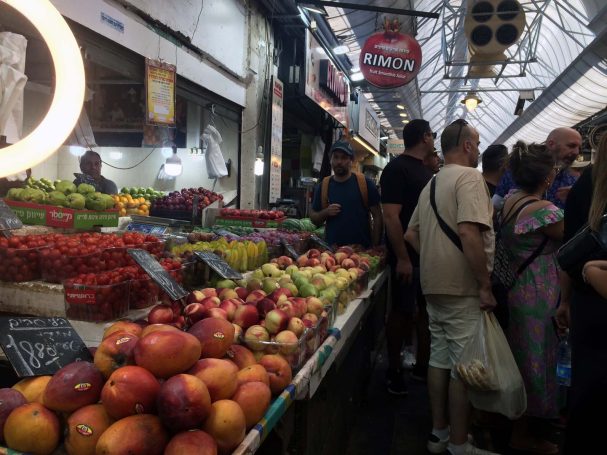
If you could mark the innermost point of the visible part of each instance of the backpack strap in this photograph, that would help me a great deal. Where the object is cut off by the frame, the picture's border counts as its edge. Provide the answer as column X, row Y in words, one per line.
column 324, row 192
column 443, row 225
column 362, row 187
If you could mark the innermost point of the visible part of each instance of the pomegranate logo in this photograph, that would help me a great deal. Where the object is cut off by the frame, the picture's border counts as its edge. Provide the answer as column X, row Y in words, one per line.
column 390, row 58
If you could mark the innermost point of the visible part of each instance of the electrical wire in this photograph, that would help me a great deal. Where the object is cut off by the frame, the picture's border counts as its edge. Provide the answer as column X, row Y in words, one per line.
column 131, row 167
column 197, row 21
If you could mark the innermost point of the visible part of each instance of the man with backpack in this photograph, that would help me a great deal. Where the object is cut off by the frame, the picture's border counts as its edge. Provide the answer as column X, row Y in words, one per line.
column 345, row 201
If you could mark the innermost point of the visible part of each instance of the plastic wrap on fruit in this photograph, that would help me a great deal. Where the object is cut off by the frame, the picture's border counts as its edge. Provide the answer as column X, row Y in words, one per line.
column 476, row 375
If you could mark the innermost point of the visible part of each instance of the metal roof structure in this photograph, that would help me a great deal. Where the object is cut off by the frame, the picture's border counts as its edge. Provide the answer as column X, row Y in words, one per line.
column 561, row 57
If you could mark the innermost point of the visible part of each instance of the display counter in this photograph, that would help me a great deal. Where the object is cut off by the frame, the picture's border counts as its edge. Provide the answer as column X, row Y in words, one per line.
column 361, row 322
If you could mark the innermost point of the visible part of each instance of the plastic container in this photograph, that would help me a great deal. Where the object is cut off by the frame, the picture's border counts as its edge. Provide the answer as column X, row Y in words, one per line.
column 56, row 267
column 295, row 353
column 144, row 293
column 18, row 265
column 96, row 303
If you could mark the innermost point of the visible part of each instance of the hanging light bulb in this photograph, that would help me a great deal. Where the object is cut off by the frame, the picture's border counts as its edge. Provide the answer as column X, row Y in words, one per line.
column 172, row 165
column 472, row 100
column 259, row 161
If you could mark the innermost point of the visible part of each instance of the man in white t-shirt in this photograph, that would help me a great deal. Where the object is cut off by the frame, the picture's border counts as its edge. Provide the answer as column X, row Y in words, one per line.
column 455, row 279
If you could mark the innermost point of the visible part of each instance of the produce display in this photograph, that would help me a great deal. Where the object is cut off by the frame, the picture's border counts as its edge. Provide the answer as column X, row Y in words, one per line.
column 149, row 193
column 179, row 204
column 260, row 214
column 61, row 193
column 204, row 395
column 129, row 205
column 294, row 224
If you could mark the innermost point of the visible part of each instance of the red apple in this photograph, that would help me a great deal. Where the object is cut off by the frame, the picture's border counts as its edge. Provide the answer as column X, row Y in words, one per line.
column 255, row 336
column 314, row 305
column 311, row 317
column 287, row 307
column 276, row 321
column 229, row 306
column 264, row 306
column 160, row 314
column 246, row 316
column 216, row 313
column 194, row 312
column 227, row 293
column 242, row 292
column 300, row 304
column 280, row 292
column 210, row 302
column 313, row 262
column 288, row 342
column 302, row 260
column 296, row 326
column 313, row 253
column 256, row 295
column 348, row 263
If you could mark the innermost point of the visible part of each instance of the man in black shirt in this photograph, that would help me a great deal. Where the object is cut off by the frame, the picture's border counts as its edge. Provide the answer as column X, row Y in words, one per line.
column 401, row 183
column 494, row 161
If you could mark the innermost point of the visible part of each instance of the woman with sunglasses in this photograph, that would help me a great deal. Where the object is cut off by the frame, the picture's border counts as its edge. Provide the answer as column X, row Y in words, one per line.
column 532, row 230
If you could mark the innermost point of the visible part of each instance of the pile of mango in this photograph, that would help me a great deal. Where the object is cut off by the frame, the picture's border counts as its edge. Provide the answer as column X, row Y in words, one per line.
column 129, row 205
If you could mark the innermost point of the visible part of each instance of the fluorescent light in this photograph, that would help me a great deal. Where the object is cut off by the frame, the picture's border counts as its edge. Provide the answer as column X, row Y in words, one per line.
column 341, row 49
column 403, row 114
column 384, row 138
column 405, row 121
column 68, row 96
column 365, row 145
column 400, row 106
column 355, row 77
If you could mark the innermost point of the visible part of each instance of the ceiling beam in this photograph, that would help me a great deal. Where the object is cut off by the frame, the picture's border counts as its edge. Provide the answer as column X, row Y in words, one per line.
column 375, row 9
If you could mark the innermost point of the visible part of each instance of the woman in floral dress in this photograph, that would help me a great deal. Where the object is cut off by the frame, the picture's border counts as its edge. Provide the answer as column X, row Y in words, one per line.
column 534, row 230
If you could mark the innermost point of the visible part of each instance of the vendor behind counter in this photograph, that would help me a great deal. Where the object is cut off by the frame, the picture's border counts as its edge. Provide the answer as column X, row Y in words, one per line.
column 90, row 165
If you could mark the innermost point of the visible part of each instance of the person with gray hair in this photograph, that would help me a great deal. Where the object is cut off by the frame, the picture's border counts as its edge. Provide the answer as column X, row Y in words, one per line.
column 90, row 165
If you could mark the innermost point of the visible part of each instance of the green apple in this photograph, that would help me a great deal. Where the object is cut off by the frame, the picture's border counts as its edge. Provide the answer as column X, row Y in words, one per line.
column 225, row 284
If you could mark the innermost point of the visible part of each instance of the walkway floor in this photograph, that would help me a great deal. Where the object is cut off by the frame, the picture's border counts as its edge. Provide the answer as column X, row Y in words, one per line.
column 386, row 424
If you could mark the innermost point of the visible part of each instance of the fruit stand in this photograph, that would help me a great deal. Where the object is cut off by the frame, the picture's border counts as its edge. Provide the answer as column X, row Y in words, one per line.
column 271, row 329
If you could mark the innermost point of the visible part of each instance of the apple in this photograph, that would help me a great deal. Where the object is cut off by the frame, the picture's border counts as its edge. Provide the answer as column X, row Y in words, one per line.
column 309, row 319
column 255, row 295
column 288, row 342
column 340, row 256
column 302, row 260
column 300, row 305
column 276, row 321
column 123, row 326
column 253, row 284
column 227, row 293
column 313, row 253
column 280, row 292
column 160, row 314
column 314, row 305
column 348, row 263
column 264, row 306
column 229, row 306
column 216, row 313
column 284, row 262
column 296, row 326
column 242, row 292
column 238, row 333
column 246, row 316
column 255, row 336
column 287, row 307
column 194, row 311
column 210, row 302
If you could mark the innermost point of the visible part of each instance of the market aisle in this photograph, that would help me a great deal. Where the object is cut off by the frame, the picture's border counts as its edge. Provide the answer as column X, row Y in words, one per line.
column 386, row 424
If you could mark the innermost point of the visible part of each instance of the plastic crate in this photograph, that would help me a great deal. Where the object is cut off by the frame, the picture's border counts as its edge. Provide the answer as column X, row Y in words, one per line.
column 295, row 353
column 96, row 303
column 19, row 264
column 57, row 267
column 144, row 293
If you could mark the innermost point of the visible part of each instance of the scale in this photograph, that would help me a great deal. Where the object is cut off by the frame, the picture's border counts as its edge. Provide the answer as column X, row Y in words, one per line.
column 156, row 225
column 288, row 206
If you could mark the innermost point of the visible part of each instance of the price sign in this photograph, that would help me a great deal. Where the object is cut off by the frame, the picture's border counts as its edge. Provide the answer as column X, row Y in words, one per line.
column 289, row 249
column 153, row 268
column 225, row 233
column 40, row 346
column 218, row 265
column 321, row 243
column 8, row 219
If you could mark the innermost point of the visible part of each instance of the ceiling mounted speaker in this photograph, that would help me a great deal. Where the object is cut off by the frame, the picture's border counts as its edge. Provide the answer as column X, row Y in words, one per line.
column 491, row 26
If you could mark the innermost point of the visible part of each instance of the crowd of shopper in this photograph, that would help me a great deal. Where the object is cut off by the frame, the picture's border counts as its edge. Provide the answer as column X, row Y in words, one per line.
column 440, row 224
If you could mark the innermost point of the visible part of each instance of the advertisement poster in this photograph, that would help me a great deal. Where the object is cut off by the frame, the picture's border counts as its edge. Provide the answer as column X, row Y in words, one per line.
column 160, row 81
column 276, row 141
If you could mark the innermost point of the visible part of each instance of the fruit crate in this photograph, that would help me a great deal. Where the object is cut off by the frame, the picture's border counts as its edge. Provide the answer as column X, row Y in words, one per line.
column 295, row 353
column 96, row 303
column 17, row 265
column 56, row 267
column 143, row 293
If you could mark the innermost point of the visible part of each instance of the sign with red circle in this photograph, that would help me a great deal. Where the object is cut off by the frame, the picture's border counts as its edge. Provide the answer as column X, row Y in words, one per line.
column 390, row 58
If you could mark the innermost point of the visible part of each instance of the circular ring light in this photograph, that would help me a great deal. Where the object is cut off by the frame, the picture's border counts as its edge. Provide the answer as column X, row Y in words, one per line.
column 68, row 95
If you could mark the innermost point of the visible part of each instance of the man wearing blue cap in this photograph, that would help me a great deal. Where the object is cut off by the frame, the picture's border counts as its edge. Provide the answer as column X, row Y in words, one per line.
column 344, row 202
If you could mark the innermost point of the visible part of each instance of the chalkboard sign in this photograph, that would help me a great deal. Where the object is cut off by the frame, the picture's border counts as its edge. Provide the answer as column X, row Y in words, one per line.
column 219, row 265
column 289, row 249
column 321, row 243
column 39, row 346
column 8, row 219
column 156, row 272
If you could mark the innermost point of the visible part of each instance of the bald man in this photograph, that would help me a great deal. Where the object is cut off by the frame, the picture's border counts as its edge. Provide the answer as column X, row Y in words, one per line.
column 565, row 144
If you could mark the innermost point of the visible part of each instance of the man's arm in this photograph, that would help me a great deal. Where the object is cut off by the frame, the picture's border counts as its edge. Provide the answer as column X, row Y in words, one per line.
column 378, row 224
column 394, row 231
column 474, row 250
column 319, row 218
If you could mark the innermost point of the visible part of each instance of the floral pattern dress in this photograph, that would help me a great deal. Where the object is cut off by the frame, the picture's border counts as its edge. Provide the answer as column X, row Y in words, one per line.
column 532, row 302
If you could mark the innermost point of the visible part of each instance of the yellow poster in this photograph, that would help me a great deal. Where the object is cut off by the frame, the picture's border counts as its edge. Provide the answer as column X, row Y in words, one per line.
column 160, row 93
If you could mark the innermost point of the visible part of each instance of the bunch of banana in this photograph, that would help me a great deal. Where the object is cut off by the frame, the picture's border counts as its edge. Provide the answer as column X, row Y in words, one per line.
column 241, row 255
column 40, row 184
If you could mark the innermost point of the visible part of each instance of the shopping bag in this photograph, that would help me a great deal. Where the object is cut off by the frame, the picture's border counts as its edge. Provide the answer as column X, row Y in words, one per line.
column 489, row 370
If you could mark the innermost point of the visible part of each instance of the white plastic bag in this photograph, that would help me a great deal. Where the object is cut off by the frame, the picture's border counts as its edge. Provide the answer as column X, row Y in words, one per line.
column 489, row 370
column 216, row 166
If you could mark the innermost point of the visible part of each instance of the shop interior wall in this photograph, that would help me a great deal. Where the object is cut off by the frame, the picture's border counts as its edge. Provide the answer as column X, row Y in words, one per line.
column 63, row 164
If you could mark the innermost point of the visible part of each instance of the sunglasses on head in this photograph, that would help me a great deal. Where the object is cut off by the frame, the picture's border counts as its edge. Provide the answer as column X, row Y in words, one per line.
column 461, row 122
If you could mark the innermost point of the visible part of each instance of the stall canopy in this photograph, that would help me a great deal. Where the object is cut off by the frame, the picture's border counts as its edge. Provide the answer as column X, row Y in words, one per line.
column 556, row 71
